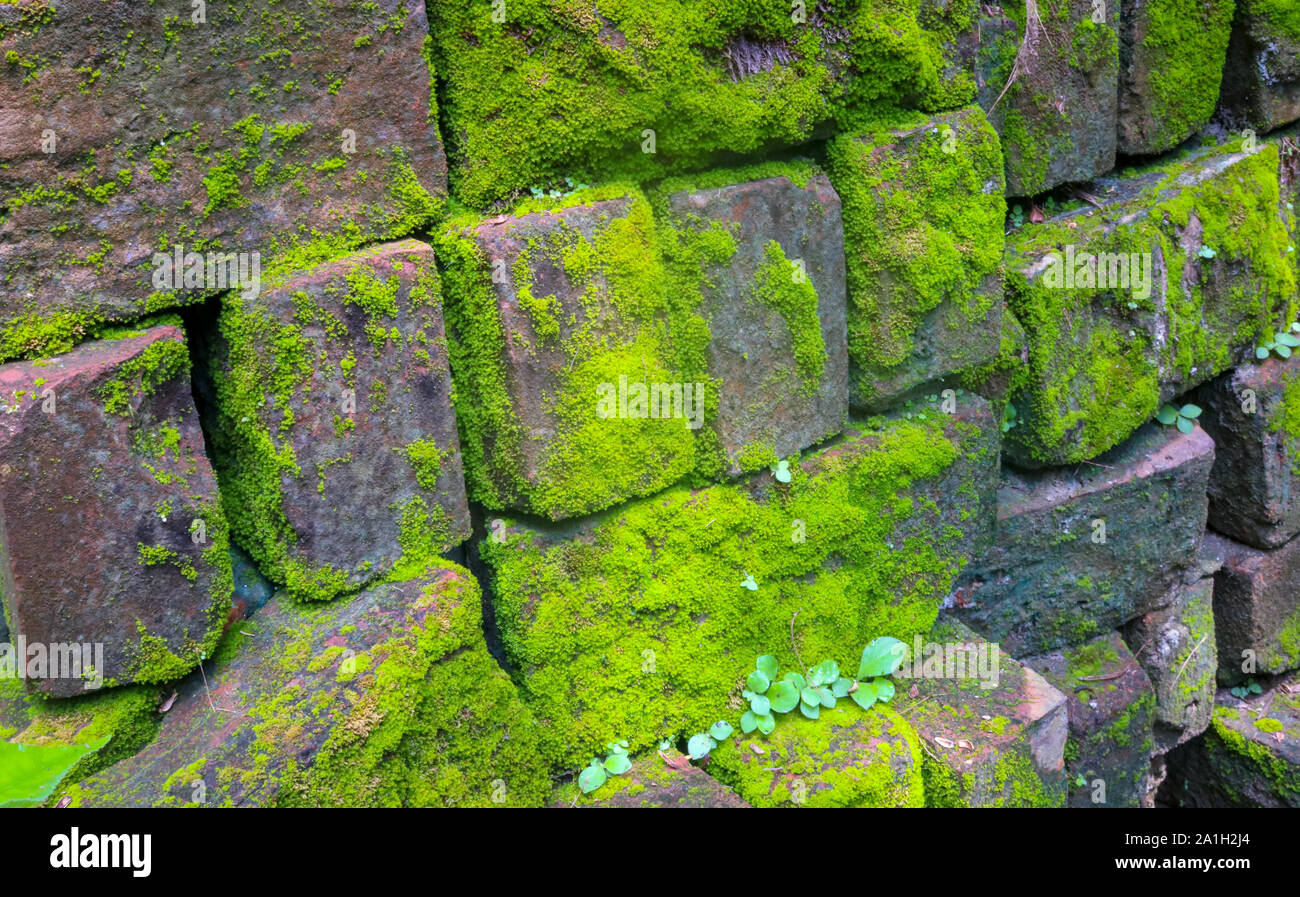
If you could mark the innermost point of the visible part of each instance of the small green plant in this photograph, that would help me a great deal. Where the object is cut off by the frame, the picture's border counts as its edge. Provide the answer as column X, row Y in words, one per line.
column 749, row 583
column 781, row 471
column 1281, row 344
column 598, row 771
column 1185, row 417
column 819, row 687
column 1017, row 216
column 1251, row 687
column 1009, row 420
column 701, row 744
column 1206, row 252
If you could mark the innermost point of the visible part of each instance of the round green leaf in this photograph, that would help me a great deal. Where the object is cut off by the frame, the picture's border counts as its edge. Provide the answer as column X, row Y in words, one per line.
column 824, row 673
column 767, row 665
column 617, row 764
column 1261, row 352
column 1192, row 411
column 841, row 686
column 591, row 778
column 758, row 681
column 864, row 696
column 797, row 680
column 828, row 699
column 881, row 657
column 760, row 704
column 812, row 711
column 699, row 746
column 748, row 721
column 784, row 697
column 766, row 724
column 884, row 689
column 1287, row 339
column 1168, row 414
column 720, row 730
column 1283, row 351
column 809, row 695
column 1185, row 425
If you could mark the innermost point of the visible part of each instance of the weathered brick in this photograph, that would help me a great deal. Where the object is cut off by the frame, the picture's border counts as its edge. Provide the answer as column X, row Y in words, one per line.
column 1256, row 609
column 111, row 529
column 1255, row 483
column 389, row 698
column 334, row 425
column 1261, row 81
column 1107, row 346
column 1176, row 647
column 1111, row 709
column 923, row 220
column 1249, row 757
column 1083, row 549
column 131, row 129
column 994, row 730
column 1171, row 57
column 777, row 333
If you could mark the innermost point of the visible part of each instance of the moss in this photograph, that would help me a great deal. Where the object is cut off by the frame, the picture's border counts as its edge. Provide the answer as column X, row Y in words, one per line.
column 161, row 362
column 624, row 321
column 554, row 92
column 1098, row 361
column 777, row 287
column 847, row 757
column 1184, row 49
column 436, row 723
column 127, row 717
column 1236, row 758
column 1269, row 725
column 637, row 626
column 920, row 229
column 264, row 368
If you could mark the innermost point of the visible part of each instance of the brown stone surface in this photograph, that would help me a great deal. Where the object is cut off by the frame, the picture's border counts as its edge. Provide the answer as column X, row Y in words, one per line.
column 1256, row 609
column 343, row 369
column 762, row 399
column 103, row 477
column 227, row 133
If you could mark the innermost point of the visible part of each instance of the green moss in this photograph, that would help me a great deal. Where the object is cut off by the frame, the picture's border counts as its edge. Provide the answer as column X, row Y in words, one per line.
column 847, row 757
column 920, row 229
column 554, row 92
column 126, row 716
column 1184, row 49
column 638, row 626
column 161, row 362
column 624, row 321
column 264, row 368
column 777, row 287
column 1269, row 725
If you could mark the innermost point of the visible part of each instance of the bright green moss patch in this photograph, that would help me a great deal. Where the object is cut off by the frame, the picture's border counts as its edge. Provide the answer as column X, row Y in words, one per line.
column 923, row 216
column 613, row 320
column 638, row 626
column 1183, row 52
column 636, row 92
column 848, row 757
column 777, row 287
column 1104, row 353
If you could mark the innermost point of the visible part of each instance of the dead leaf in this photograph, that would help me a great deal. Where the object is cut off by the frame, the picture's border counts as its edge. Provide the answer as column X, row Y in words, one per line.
column 1036, row 214
column 167, row 704
column 681, row 762
column 63, row 802
column 757, row 750
column 965, row 744
column 947, row 743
